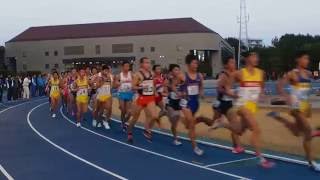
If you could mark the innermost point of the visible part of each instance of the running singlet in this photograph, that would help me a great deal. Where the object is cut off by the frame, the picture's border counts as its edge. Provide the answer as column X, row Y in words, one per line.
column 223, row 102
column 300, row 93
column 82, row 92
column 158, row 81
column 104, row 92
column 146, row 93
column 250, row 89
column 125, row 82
column 54, row 91
column 173, row 98
column 192, row 90
column 147, row 85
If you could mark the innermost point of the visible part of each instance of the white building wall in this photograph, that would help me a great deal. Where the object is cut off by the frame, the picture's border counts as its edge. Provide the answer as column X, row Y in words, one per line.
column 174, row 48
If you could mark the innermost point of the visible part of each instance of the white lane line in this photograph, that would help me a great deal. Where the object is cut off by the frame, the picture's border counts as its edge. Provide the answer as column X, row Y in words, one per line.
column 152, row 152
column 66, row 151
column 8, row 176
column 11, row 107
column 230, row 162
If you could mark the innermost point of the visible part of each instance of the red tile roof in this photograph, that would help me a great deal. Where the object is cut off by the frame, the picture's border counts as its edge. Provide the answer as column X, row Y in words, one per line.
column 113, row 29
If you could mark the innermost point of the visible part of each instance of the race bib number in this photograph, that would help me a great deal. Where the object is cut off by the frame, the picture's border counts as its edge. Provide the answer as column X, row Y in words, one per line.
column 148, row 88
column 248, row 94
column 173, row 95
column 105, row 90
column 125, row 87
column 54, row 88
column 82, row 92
column 193, row 90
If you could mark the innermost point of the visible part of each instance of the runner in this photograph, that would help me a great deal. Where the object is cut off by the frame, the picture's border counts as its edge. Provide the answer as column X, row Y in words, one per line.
column 224, row 103
column 251, row 81
column 55, row 85
column 159, row 80
column 298, row 100
column 172, row 87
column 104, row 96
column 143, row 83
column 93, row 80
column 72, row 76
column 125, row 94
column 65, row 89
column 82, row 98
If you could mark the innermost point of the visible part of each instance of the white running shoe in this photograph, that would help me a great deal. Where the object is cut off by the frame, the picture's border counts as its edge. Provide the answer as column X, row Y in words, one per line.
column 106, row 125
column 78, row 124
column 177, row 142
column 315, row 166
column 94, row 123
column 54, row 115
column 198, row 151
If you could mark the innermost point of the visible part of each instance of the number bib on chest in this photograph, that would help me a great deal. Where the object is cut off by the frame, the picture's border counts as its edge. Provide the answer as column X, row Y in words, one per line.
column 105, row 90
column 147, row 88
column 248, row 95
column 193, row 90
column 82, row 92
column 125, row 87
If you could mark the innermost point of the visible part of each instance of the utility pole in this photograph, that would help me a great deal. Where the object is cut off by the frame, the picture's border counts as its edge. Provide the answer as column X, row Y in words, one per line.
column 243, row 29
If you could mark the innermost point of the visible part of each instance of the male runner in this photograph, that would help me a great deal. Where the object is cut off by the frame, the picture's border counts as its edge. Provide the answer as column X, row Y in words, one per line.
column 125, row 94
column 104, row 96
column 159, row 80
column 93, row 80
column 298, row 100
column 144, row 84
column 55, row 85
column 82, row 96
column 251, row 80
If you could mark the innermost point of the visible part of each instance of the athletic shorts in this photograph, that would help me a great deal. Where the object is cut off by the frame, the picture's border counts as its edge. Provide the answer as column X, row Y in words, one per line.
column 125, row 96
column 55, row 95
column 223, row 106
column 82, row 99
column 103, row 99
column 144, row 101
column 174, row 104
column 192, row 103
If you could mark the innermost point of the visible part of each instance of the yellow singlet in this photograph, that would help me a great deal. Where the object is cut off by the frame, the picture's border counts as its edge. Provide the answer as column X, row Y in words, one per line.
column 250, row 89
column 82, row 93
column 55, row 92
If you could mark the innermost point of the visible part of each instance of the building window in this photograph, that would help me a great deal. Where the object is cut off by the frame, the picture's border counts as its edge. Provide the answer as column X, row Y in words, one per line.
column 24, row 67
column 56, row 53
column 46, row 53
column 142, row 49
column 152, row 49
column 98, row 49
column 74, row 50
column 122, row 48
column 47, row 66
column 56, row 66
column 24, row 54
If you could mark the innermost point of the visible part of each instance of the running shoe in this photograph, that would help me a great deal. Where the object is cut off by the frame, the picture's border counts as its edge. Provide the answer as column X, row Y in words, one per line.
column 218, row 123
column 314, row 166
column 54, row 115
column 198, row 151
column 106, row 125
column 78, row 124
column 177, row 142
column 273, row 114
column 94, row 123
column 266, row 164
column 130, row 138
column 238, row 150
column 147, row 135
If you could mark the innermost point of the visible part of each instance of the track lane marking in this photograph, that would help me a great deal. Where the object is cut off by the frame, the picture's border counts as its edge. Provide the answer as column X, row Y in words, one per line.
column 230, row 162
column 66, row 151
column 152, row 152
column 6, row 174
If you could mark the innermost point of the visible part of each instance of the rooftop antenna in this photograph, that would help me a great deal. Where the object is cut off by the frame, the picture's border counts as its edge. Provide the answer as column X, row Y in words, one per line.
column 243, row 29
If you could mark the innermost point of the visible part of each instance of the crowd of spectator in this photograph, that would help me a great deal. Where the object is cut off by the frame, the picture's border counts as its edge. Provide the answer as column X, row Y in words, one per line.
column 22, row 87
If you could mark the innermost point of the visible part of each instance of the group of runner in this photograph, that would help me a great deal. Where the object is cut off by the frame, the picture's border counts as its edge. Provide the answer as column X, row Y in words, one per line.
column 177, row 94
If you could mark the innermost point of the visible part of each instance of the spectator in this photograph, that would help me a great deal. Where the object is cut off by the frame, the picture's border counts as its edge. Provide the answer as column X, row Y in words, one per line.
column 26, row 91
column 1, row 87
column 41, row 85
column 10, row 87
column 33, row 86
